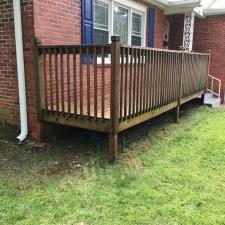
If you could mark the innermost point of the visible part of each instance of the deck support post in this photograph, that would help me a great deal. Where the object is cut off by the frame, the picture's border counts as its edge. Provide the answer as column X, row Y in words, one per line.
column 202, row 99
column 177, row 114
column 114, row 98
column 180, row 89
column 113, row 147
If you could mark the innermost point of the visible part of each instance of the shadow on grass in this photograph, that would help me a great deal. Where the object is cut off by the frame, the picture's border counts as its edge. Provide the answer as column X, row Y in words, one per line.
column 77, row 150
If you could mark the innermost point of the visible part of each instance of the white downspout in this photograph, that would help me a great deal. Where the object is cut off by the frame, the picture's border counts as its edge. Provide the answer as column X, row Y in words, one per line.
column 20, row 70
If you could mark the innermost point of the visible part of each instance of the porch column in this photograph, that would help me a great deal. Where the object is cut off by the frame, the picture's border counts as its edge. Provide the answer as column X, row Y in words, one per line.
column 189, row 20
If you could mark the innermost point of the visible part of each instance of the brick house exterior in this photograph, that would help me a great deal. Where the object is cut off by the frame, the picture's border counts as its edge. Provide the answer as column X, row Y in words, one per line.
column 209, row 35
column 52, row 22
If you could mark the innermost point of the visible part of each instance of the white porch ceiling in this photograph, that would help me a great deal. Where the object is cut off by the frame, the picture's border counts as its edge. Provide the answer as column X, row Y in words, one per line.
column 200, row 7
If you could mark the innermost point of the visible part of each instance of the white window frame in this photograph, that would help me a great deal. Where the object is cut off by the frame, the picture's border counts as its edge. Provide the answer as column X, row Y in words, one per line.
column 132, row 7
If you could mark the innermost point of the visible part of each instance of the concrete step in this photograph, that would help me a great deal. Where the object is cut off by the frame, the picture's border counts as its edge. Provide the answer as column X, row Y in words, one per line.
column 212, row 100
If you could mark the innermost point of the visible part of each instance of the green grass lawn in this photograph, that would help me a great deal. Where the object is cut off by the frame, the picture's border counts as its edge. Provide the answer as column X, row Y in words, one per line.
column 167, row 174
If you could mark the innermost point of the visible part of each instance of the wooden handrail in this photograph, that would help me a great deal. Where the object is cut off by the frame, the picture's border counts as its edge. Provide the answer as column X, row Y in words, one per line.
column 212, row 87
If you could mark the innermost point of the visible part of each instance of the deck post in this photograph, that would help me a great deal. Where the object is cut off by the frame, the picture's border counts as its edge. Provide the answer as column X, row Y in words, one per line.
column 39, row 78
column 114, row 98
column 202, row 99
column 180, row 88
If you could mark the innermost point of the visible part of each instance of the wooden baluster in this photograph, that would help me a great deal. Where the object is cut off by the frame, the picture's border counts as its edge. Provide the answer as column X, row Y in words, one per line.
column 138, row 82
column 103, row 83
column 51, row 80
column 141, row 82
column 75, row 80
column 170, row 83
column 88, row 84
column 81, row 82
column 45, row 79
column 156, row 76
column 130, row 85
column 122, row 84
column 160, row 79
column 126, row 84
column 135, row 80
column 62, row 80
column 95, row 85
column 180, row 86
column 152, row 80
column 57, row 81
column 68, row 80
column 148, row 82
column 40, row 75
column 145, row 82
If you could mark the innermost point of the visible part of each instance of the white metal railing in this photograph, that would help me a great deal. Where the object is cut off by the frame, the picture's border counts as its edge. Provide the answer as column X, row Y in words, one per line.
column 211, row 85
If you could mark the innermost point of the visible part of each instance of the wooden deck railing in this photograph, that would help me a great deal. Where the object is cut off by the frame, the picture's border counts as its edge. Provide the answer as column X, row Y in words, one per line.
column 110, row 88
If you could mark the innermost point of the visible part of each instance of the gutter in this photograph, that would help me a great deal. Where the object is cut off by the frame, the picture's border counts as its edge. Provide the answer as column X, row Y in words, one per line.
column 20, row 70
column 214, row 12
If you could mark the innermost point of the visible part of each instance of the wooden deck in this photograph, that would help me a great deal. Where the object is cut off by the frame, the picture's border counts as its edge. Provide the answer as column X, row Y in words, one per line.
column 141, row 83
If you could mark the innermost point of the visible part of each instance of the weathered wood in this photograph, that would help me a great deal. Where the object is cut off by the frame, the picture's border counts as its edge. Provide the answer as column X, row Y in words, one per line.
column 75, row 81
column 122, row 85
column 103, row 85
column 126, row 84
column 41, row 82
column 144, row 83
column 114, row 96
column 138, row 82
column 135, row 82
column 62, row 80
column 88, row 84
column 81, row 83
column 137, row 120
column 130, row 83
column 95, row 85
column 51, row 81
column 75, row 121
column 113, row 147
column 180, row 91
column 57, row 81
column 68, row 81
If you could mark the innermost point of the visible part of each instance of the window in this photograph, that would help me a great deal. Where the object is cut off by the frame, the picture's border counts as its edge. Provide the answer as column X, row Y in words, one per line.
column 136, row 29
column 101, row 24
column 119, row 17
column 120, row 23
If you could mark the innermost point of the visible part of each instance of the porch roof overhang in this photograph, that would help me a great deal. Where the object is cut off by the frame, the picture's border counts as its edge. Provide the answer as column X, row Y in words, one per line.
column 201, row 8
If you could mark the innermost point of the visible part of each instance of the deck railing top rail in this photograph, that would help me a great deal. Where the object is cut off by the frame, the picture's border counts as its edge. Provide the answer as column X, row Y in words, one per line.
column 108, row 46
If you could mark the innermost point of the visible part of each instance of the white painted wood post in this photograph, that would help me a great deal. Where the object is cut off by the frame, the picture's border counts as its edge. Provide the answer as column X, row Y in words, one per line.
column 189, row 21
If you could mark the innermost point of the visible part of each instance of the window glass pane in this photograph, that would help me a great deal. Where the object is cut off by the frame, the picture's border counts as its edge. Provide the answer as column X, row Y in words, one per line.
column 135, row 40
column 120, row 23
column 136, row 24
column 100, row 36
column 100, row 15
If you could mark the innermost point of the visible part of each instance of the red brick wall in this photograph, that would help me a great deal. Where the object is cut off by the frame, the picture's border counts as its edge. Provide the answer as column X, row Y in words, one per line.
column 176, row 31
column 8, row 79
column 161, row 22
column 58, row 22
column 209, row 34
column 9, row 109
